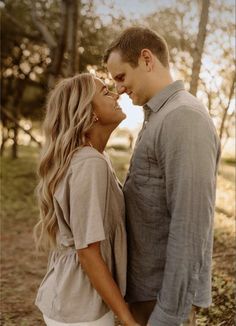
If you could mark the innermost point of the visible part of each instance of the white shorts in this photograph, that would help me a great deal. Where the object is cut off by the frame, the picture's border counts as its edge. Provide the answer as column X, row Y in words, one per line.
column 106, row 320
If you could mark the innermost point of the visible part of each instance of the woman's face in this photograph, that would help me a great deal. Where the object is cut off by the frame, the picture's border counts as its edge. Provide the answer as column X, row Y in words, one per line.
column 105, row 106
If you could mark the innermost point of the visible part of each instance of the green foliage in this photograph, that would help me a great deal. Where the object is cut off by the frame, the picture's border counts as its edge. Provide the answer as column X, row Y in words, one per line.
column 230, row 160
column 18, row 180
column 26, row 58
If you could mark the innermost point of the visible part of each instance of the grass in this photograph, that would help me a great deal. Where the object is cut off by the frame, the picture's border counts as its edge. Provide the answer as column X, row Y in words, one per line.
column 22, row 271
column 18, row 183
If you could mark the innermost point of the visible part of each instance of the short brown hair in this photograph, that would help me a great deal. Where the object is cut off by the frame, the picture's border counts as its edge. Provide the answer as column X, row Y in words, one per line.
column 131, row 42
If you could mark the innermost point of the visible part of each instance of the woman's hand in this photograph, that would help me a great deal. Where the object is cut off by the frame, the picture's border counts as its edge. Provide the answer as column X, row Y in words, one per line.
column 131, row 323
column 96, row 269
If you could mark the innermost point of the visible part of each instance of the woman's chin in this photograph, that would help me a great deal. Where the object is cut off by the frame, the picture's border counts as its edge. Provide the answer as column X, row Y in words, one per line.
column 119, row 121
column 123, row 117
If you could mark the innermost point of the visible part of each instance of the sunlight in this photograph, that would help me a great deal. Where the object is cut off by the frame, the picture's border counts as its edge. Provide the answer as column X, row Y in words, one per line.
column 134, row 113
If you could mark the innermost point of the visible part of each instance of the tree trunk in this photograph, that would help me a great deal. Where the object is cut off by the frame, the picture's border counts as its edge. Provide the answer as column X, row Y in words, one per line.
column 16, row 112
column 4, row 134
column 72, row 42
column 15, row 142
column 58, row 53
column 222, row 126
column 57, row 47
column 197, row 56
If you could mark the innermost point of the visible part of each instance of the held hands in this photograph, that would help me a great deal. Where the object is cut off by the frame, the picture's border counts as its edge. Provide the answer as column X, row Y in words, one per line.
column 131, row 322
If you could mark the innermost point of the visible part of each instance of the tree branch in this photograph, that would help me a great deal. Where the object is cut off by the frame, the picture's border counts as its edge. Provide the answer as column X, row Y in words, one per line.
column 33, row 35
column 227, row 107
column 48, row 37
column 72, row 37
column 11, row 118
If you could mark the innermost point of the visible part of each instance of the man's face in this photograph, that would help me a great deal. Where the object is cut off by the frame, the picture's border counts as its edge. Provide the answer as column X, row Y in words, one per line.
column 128, row 79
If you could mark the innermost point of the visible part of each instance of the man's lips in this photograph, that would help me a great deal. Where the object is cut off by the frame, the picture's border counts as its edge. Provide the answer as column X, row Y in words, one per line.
column 129, row 94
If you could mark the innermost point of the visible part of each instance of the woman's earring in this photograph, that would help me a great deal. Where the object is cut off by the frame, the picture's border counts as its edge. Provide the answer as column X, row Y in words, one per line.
column 95, row 118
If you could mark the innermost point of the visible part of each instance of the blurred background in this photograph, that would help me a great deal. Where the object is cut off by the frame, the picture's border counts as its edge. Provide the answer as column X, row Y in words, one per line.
column 45, row 40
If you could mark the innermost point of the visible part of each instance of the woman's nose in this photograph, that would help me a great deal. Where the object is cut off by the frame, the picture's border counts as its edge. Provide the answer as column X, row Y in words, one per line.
column 115, row 96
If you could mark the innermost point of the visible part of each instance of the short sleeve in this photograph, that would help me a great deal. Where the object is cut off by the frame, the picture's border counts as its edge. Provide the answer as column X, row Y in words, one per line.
column 88, row 196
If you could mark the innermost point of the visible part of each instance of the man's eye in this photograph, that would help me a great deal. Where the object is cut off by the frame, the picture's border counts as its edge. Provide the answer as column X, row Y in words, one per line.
column 106, row 92
column 120, row 78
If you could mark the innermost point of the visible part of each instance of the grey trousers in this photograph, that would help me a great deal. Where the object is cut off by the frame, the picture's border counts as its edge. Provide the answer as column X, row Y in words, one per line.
column 142, row 311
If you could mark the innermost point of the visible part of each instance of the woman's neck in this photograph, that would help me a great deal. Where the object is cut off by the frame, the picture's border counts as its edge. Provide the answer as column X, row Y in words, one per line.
column 98, row 140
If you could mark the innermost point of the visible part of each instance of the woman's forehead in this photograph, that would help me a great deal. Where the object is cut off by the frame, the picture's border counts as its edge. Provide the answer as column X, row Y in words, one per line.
column 99, row 82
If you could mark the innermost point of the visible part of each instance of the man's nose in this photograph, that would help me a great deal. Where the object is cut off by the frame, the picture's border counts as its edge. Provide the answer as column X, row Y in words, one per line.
column 120, row 89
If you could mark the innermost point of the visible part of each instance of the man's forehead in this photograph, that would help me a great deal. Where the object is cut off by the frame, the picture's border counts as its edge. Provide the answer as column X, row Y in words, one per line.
column 115, row 64
column 114, row 57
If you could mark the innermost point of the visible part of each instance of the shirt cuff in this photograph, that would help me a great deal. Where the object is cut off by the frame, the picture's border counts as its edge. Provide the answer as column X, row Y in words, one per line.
column 160, row 318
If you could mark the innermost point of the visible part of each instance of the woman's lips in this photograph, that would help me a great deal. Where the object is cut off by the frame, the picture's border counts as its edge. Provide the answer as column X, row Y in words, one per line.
column 117, row 107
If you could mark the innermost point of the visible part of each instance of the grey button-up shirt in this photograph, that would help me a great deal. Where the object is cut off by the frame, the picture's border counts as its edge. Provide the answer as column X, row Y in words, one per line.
column 170, row 197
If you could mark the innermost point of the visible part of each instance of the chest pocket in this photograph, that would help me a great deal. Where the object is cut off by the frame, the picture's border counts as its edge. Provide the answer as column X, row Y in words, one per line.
column 145, row 167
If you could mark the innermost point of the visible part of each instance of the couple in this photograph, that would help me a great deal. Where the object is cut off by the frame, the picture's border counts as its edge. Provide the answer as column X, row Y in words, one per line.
column 168, row 196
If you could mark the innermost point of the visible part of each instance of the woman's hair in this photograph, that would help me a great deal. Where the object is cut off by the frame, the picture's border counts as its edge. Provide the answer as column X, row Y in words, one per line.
column 68, row 118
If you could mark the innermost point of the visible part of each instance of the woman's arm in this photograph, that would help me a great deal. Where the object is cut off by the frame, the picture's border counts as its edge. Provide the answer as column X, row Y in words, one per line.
column 93, row 264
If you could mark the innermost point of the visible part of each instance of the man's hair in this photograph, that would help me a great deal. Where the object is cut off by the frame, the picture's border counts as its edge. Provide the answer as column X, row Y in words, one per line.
column 131, row 42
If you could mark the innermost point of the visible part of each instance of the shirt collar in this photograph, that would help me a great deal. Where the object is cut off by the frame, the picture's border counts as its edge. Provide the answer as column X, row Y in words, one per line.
column 158, row 100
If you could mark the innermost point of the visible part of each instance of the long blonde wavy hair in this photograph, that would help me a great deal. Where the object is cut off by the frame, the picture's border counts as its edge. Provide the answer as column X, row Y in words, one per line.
column 69, row 116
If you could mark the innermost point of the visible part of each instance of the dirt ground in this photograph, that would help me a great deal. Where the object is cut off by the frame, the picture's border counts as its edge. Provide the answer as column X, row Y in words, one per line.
column 22, row 271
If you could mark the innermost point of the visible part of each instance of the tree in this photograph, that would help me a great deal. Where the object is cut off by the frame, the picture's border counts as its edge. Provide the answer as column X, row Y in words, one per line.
column 197, row 55
column 212, row 67
column 20, row 63
column 59, row 39
column 63, row 44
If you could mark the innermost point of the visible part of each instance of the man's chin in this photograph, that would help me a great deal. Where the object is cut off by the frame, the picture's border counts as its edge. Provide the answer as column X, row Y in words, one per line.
column 136, row 102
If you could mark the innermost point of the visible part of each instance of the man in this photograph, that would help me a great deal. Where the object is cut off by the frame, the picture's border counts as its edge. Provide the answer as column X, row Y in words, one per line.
column 170, row 186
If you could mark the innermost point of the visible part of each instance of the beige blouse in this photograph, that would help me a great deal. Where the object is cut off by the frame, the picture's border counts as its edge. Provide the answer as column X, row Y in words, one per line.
column 89, row 206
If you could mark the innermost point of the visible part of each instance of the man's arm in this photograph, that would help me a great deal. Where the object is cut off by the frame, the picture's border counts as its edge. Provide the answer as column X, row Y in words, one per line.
column 188, row 148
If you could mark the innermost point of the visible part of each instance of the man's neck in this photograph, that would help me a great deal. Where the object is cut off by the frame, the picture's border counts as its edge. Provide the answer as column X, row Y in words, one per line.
column 159, row 83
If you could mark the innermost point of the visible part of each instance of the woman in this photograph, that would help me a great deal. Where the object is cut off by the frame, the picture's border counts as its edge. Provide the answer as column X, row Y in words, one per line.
column 81, row 209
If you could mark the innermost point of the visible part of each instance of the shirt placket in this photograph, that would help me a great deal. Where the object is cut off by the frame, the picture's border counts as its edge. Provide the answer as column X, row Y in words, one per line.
column 147, row 112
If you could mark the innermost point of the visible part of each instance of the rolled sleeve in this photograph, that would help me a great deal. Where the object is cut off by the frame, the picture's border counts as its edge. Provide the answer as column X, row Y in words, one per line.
column 188, row 150
column 88, row 193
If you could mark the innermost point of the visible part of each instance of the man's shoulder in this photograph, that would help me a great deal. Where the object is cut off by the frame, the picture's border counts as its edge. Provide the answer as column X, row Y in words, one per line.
column 180, row 104
column 184, row 100
column 182, row 110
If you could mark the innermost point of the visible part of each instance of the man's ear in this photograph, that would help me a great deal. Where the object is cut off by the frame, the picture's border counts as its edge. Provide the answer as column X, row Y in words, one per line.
column 147, row 56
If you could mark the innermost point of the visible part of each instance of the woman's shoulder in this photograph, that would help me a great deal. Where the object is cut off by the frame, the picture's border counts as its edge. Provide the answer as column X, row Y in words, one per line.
column 86, row 163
